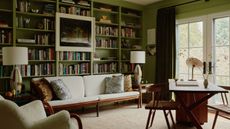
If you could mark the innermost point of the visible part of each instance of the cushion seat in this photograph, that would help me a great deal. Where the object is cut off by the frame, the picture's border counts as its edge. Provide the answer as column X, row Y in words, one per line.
column 73, row 101
column 118, row 95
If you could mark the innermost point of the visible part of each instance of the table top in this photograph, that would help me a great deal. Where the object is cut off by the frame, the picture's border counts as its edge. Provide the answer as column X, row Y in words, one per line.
column 197, row 87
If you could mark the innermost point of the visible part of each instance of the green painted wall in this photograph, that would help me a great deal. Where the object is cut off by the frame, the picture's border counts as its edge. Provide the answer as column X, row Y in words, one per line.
column 121, row 3
column 190, row 10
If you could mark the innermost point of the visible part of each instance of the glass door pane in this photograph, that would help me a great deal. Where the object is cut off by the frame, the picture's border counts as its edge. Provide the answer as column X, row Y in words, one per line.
column 189, row 44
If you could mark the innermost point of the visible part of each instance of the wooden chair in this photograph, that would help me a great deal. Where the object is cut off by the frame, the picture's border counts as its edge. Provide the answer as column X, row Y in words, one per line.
column 222, row 110
column 158, row 104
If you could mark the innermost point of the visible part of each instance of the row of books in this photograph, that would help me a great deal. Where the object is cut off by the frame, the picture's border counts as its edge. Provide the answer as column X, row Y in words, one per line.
column 23, row 6
column 44, row 39
column 68, row 55
column 105, row 68
column 74, row 69
column 127, row 67
column 106, row 43
column 5, row 36
column 45, row 23
column 41, row 54
column 128, row 32
column 5, row 71
column 37, row 69
column 105, row 30
column 75, row 10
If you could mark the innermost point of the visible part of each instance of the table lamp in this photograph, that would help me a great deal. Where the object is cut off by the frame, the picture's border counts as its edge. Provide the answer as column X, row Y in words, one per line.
column 137, row 57
column 15, row 56
column 194, row 63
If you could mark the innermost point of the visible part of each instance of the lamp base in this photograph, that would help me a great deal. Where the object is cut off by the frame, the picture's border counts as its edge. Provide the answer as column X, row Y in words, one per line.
column 137, row 74
column 16, row 81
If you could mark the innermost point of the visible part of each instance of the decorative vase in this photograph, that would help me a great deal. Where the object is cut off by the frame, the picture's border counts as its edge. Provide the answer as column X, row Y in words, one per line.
column 205, row 83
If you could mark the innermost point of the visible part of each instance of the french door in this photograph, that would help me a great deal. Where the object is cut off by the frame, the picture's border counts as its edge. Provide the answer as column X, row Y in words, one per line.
column 208, row 39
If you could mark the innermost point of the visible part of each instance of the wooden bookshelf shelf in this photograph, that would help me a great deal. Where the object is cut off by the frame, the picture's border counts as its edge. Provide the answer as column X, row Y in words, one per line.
column 35, row 14
column 32, row 29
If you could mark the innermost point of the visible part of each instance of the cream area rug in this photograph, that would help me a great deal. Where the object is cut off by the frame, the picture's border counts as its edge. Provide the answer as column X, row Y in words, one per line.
column 130, row 117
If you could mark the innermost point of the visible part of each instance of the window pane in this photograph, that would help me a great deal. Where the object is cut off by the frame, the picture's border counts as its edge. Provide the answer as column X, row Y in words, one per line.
column 183, row 55
column 196, row 34
column 222, row 60
column 222, row 80
column 222, row 31
column 183, row 35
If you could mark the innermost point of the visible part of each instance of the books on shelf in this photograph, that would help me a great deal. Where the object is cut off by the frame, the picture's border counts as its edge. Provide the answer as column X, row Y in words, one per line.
column 110, row 67
column 79, row 56
column 5, row 36
column 106, row 43
column 37, row 69
column 26, row 41
column 74, row 69
column 41, row 54
column 106, row 30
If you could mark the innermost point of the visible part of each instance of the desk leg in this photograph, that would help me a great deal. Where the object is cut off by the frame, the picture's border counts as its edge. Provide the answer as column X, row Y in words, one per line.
column 189, row 113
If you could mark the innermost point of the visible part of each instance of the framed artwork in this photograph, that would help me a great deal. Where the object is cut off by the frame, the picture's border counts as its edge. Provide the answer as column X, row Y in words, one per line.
column 74, row 33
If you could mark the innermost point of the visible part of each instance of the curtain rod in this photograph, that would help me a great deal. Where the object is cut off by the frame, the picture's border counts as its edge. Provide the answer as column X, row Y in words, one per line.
column 189, row 2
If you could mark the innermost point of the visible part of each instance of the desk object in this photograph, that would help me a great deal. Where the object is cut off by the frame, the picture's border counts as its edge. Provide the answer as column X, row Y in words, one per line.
column 190, row 107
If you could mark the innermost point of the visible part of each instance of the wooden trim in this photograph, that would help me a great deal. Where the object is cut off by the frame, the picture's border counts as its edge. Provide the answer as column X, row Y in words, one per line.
column 73, row 115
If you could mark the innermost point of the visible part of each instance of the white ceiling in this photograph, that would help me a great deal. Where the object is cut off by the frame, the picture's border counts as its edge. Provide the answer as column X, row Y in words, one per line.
column 143, row 2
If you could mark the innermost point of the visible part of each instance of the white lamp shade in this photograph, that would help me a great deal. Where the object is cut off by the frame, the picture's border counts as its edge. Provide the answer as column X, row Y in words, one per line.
column 137, row 57
column 15, row 55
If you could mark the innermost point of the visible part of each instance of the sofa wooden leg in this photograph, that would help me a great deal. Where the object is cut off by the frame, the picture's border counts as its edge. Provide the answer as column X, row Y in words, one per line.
column 97, row 108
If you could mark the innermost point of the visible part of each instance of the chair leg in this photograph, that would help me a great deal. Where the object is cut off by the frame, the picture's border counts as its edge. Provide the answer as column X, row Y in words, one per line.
column 97, row 108
column 214, row 122
column 166, row 118
column 153, row 115
column 149, row 116
column 174, row 125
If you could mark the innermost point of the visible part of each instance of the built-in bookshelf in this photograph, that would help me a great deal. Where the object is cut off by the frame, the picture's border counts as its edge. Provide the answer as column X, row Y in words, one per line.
column 35, row 29
column 131, row 36
column 106, row 57
column 31, row 23
column 74, row 63
column 82, row 8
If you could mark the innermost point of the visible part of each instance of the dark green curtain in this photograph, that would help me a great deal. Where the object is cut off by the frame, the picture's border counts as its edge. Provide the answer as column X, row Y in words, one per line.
column 165, row 47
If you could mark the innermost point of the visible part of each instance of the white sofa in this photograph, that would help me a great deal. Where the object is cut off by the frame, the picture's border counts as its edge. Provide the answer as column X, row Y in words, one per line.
column 88, row 90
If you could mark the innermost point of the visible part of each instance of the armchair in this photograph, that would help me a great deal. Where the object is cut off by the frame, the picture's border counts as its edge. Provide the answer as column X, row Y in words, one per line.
column 33, row 116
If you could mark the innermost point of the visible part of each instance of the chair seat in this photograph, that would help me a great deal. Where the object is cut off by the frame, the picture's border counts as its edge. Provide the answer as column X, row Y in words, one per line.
column 221, row 107
column 162, row 105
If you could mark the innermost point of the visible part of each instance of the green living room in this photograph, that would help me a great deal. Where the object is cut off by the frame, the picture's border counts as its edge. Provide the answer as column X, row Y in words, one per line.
column 114, row 64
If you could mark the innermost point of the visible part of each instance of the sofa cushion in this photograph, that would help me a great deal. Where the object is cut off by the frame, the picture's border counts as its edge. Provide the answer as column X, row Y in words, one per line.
column 128, row 83
column 114, row 84
column 95, row 84
column 60, row 89
column 73, row 101
column 118, row 95
column 75, row 85
column 43, row 89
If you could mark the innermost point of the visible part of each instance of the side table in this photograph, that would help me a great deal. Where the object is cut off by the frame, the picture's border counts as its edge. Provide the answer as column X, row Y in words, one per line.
column 21, row 99
column 142, row 90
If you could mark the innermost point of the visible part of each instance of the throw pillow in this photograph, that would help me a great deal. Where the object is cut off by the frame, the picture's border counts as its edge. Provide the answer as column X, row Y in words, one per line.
column 60, row 89
column 128, row 83
column 114, row 84
column 42, row 89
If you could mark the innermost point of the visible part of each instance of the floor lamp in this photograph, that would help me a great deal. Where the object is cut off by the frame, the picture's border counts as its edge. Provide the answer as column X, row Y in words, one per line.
column 15, row 56
column 137, row 57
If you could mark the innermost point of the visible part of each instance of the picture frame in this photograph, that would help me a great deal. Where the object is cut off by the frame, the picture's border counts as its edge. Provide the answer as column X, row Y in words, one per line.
column 74, row 33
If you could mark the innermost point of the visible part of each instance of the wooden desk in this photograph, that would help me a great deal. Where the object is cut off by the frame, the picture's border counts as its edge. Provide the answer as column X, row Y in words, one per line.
column 192, row 90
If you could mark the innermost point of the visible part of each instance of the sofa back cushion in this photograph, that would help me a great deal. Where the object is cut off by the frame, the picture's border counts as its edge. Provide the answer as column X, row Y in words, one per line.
column 75, row 85
column 95, row 84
